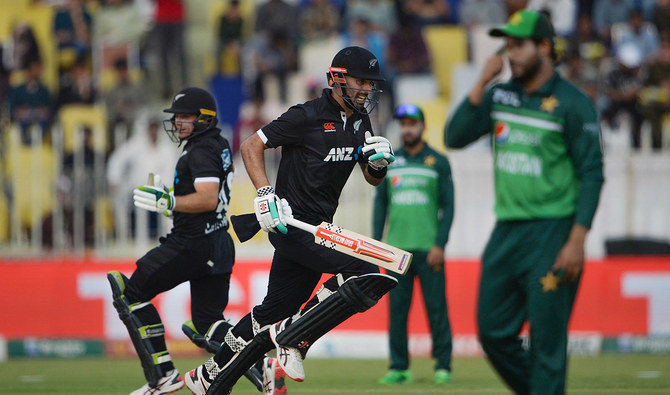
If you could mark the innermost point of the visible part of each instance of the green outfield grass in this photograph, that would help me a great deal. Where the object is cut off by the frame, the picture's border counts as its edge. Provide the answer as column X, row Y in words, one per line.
column 620, row 374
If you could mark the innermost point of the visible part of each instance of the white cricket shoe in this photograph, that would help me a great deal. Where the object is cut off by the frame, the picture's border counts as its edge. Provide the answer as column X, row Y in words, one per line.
column 167, row 385
column 289, row 358
column 199, row 379
column 273, row 377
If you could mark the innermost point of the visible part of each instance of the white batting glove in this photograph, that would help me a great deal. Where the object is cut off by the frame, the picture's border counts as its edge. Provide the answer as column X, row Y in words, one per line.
column 154, row 197
column 272, row 212
column 378, row 150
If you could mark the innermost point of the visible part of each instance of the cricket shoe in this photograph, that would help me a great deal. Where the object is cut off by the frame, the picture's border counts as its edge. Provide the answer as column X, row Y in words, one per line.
column 273, row 377
column 289, row 358
column 166, row 385
column 199, row 379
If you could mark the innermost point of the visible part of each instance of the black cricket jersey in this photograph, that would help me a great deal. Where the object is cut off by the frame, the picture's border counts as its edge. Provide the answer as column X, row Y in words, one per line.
column 320, row 148
column 205, row 158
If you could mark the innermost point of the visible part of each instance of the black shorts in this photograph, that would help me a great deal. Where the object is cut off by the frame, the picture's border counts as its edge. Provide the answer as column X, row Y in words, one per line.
column 205, row 261
column 297, row 266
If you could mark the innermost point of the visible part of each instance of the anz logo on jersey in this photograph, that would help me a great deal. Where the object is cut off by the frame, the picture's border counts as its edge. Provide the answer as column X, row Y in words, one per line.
column 343, row 154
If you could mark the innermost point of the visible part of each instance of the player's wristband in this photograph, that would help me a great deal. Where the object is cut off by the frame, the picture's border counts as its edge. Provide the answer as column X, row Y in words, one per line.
column 266, row 190
column 377, row 173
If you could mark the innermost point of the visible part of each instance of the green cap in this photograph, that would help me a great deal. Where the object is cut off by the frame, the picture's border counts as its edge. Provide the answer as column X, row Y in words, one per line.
column 525, row 24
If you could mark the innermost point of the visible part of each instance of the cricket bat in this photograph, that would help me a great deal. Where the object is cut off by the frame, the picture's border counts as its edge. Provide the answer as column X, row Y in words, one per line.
column 339, row 239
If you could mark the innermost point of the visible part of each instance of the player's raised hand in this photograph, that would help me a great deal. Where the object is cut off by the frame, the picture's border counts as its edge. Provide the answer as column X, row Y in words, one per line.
column 271, row 211
column 155, row 196
column 378, row 150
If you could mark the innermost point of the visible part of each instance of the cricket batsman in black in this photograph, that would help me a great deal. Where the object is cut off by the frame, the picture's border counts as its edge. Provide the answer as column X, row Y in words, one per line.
column 198, row 249
column 322, row 140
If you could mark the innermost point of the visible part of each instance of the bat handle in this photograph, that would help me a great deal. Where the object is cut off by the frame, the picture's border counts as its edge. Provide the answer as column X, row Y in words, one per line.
column 301, row 225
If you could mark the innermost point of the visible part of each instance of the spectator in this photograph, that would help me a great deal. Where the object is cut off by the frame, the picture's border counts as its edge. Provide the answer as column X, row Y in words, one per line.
column 407, row 51
column 4, row 85
column 76, row 86
column 145, row 152
column 72, row 30
column 661, row 18
column 31, row 103
column 430, row 12
column 379, row 13
column 585, row 40
column 319, row 19
column 123, row 102
column 608, row 12
column 582, row 73
column 26, row 49
column 251, row 119
column 229, row 44
column 482, row 12
column 273, row 49
column 268, row 54
column 639, row 33
column 168, row 39
column 562, row 14
column 622, row 87
column 277, row 17
column 361, row 34
column 655, row 96
column 118, row 23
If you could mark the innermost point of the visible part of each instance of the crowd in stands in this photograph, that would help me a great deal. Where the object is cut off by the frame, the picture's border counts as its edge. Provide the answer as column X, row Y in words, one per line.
column 130, row 56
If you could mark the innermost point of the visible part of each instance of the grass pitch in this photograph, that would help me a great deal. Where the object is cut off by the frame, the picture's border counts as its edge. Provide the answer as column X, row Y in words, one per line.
column 620, row 374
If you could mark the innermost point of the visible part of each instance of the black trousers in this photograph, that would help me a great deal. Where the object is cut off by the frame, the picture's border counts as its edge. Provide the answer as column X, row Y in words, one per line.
column 178, row 260
column 297, row 266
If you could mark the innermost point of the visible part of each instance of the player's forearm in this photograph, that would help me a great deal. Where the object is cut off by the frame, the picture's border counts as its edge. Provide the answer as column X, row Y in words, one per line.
column 194, row 203
column 205, row 198
column 254, row 161
column 467, row 124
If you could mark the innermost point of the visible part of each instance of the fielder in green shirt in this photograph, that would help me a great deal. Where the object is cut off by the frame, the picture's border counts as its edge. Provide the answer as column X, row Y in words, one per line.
column 548, row 173
column 417, row 196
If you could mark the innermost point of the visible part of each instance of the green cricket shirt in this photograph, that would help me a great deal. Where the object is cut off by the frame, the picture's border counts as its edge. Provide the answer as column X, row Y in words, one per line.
column 417, row 196
column 547, row 153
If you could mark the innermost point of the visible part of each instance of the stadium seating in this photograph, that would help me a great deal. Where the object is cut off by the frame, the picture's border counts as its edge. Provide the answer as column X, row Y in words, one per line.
column 74, row 116
column 448, row 46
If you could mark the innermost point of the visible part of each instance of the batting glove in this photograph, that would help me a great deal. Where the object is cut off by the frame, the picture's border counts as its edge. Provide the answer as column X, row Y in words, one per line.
column 378, row 151
column 156, row 197
column 271, row 211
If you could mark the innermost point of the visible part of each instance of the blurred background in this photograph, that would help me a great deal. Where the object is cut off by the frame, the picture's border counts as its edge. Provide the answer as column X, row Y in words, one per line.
column 82, row 88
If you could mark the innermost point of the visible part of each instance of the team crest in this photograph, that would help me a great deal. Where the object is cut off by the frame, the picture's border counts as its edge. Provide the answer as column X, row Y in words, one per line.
column 373, row 62
column 226, row 159
column 357, row 125
column 429, row 160
column 549, row 104
column 549, row 282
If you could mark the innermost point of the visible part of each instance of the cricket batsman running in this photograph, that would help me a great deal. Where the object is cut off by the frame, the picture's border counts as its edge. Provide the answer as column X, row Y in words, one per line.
column 322, row 140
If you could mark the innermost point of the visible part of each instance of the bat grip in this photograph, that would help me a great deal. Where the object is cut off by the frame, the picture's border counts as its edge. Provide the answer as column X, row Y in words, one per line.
column 301, row 225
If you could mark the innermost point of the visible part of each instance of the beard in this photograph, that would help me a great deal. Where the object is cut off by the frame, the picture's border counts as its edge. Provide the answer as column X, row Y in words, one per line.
column 529, row 71
column 411, row 142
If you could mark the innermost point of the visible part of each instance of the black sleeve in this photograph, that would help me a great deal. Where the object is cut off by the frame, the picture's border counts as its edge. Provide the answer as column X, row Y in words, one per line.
column 287, row 129
column 205, row 161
